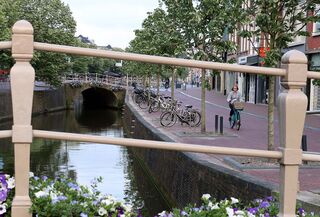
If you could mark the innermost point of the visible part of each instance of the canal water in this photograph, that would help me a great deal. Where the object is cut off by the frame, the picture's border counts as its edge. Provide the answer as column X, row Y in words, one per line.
column 122, row 175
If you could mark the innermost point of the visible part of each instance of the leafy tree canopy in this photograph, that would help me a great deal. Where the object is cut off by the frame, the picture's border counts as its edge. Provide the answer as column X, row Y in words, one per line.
column 52, row 22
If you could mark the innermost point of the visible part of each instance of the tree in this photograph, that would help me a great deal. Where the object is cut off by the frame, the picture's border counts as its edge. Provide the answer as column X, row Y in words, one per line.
column 139, row 45
column 5, row 57
column 53, row 23
column 157, row 37
column 277, row 23
column 202, row 24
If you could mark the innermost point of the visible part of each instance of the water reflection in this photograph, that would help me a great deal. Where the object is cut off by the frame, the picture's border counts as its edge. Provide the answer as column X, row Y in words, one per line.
column 121, row 173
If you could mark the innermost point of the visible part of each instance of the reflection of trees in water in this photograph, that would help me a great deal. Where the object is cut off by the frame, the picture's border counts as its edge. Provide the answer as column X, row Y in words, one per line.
column 97, row 119
column 50, row 158
column 6, row 154
column 47, row 158
column 139, row 189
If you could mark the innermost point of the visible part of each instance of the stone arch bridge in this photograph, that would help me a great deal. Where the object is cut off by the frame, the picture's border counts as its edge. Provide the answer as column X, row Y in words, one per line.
column 97, row 91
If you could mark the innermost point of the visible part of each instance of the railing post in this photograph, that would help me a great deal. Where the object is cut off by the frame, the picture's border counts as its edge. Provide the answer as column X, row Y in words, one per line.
column 292, row 110
column 22, row 85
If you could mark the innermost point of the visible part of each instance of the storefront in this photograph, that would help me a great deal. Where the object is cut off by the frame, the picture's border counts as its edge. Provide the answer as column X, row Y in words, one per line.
column 314, row 102
column 253, row 87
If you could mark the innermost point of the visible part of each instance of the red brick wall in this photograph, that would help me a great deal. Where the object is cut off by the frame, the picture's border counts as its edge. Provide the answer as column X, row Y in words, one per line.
column 313, row 42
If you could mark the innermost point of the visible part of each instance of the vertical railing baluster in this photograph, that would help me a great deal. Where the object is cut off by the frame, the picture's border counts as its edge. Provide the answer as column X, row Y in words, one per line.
column 22, row 85
column 292, row 110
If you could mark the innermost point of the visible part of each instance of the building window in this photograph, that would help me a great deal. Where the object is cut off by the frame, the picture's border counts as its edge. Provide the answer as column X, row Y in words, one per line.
column 315, row 62
column 316, row 25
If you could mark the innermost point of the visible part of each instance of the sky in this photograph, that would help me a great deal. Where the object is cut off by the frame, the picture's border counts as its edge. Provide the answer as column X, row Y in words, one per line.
column 110, row 21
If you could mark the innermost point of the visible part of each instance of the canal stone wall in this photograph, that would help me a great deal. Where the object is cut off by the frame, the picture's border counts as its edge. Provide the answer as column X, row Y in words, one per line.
column 185, row 177
column 43, row 101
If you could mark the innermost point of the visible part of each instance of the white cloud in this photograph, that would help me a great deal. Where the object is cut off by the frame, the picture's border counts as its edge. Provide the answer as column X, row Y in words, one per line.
column 110, row 21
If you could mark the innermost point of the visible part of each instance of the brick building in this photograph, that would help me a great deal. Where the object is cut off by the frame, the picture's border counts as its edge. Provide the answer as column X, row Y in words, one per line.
column 313, row 53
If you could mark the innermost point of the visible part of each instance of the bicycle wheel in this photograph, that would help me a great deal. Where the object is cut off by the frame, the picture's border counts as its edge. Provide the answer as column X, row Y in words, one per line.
column 195, row 119
column 154, row 106
column 238, row 121
column 143, row 104
column 168, row 119
column 138, row 99
column 232, row 121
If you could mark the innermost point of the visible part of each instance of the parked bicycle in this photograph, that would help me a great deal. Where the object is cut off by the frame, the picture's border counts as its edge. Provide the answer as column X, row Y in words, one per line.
column 235, row 119
column 163, row 103
column 190, row 116
column 143, row 97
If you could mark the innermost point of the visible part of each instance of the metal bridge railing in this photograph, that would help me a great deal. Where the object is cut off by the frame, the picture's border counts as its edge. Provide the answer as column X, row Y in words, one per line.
column 292, row 112
column 104, row 79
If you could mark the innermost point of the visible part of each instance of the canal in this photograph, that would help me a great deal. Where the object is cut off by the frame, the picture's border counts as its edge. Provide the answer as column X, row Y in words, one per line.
column 121, row 172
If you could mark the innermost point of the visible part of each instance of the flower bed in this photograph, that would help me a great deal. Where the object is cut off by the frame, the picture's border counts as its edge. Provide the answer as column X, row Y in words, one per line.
column 65, row 197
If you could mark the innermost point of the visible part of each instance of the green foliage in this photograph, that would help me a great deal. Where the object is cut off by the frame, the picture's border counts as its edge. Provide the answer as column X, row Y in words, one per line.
column 316, row 82
column 280, row 21
column 158, row 36
column 207, row 85
column 277, row 23
column 65, row 197
column 84, row 64
column 52, row 22
column 204, row 26
column 232, row 207
column 182, row 72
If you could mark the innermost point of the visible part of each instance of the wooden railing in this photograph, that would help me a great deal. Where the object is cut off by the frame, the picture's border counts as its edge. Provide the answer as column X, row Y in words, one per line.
column 292, row 111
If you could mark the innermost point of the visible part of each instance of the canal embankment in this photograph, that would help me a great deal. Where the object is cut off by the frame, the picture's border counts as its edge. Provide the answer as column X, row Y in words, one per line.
column 221, row 176
column 185, row 177
column 46, row 100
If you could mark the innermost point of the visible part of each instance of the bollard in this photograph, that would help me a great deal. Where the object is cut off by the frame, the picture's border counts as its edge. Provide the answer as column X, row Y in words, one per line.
column 304, row 145
column 221, row 125
column 216, row 123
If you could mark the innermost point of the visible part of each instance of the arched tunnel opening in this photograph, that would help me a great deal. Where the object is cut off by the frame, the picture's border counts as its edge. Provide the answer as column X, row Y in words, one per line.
column 99, row 98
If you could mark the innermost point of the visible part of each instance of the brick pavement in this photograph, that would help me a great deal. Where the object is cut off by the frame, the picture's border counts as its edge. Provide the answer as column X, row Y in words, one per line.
column 253, row 134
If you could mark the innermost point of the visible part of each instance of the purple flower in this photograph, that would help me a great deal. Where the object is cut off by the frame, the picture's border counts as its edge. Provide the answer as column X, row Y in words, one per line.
column 36, row 178
column 3, row 179
column 270, row 198
column 183, row 213
column 301, row 211
column 120, row 209
column 44, row 178
column 61, row 197
column 73, row 186
column 266, row 215
column 253, row 210
column 3, row 195
column 83, row 215
column 139, row 213
column 264, row 204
